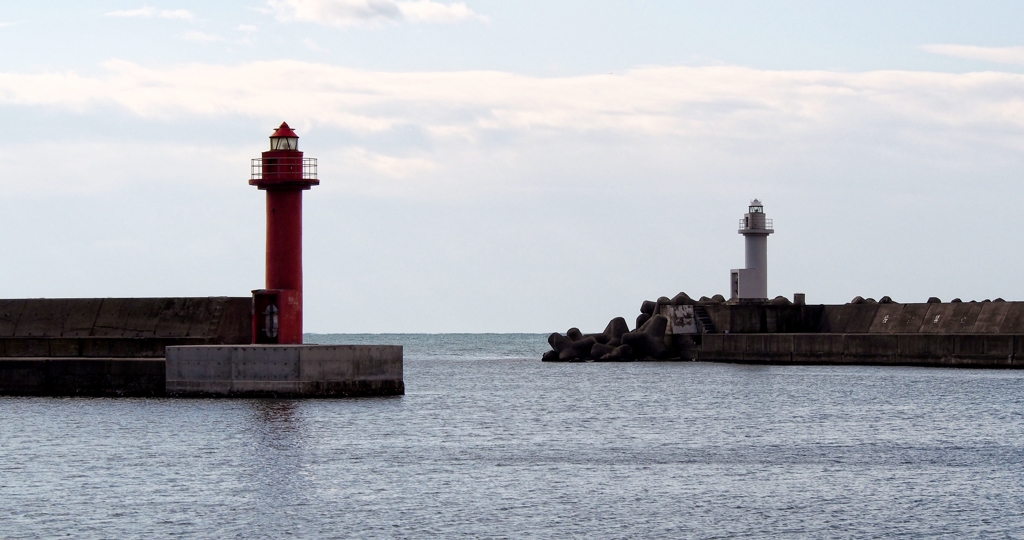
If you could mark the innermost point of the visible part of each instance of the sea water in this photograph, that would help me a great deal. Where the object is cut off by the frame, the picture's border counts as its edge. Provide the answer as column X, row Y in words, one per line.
column 490, row 442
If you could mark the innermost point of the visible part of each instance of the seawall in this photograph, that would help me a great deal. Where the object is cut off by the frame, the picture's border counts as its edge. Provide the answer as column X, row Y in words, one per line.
column 107, row 346
column 934, row 350
column 869, row 318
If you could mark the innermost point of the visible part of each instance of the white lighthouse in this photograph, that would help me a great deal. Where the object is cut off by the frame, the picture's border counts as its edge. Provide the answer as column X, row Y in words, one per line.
column 751, row 283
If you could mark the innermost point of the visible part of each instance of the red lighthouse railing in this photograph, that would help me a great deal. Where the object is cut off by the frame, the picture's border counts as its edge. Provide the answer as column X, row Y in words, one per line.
column 256, row 169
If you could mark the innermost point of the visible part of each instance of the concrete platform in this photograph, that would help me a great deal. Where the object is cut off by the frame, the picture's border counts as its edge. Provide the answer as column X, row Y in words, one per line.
column 285, row 370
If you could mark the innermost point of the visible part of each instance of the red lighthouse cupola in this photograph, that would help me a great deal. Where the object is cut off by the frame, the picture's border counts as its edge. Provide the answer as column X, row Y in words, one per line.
column 284, row 174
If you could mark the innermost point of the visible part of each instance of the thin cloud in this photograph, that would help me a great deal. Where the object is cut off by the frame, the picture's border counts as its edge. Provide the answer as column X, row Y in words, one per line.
column 247, row 28
column 727, row 101
column 342, row 13
column 149, row 12
column 5, row 24
column 201, row 37
column 999, row 55
column 311, row 45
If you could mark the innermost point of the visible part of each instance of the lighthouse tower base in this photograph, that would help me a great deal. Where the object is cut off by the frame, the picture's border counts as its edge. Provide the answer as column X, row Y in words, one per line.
column 285, row 370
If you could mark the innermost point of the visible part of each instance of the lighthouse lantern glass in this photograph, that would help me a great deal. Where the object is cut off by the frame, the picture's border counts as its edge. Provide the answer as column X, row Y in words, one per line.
column 284, row 143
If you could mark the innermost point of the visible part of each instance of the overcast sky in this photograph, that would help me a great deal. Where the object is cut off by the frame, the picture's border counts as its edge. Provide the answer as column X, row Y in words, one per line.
column 516, row 166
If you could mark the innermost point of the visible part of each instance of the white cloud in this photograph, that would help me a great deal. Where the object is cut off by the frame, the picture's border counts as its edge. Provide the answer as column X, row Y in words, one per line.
column 145, row 12
column 5, row 24
column 425, row 11
column 182, row 14
column 655, row 100
column 999, row 55
column 247, row 28
column 343, row 13
column 201, row 37
column 149, row 12
column 311, row 45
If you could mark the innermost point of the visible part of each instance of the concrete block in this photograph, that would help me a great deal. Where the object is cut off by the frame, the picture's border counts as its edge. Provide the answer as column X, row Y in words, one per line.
column 26, row 347
column 121, row 348
column 64, row 347
column 711, row 348
column 265, row 363
column 734, row 344
column 144, row 316
column 367, row 363
column 980, row 350
column 201, row 364
column 178, row 315
column 834, row 319
column 285, row 370
column 235, row 323
column 41, row 317
column 788, row 319
column 858, row 318
column 885, row 319
column 112, row 317
column 810, row 320
column 105, row 377
column 937, row 318
column 998, row 345
column 10, row 312
column 870, row 348
column 962, row 318
column 768, row 348
column 925, row 346
column 746, row 319
column 82, row 377
column 910, row 318
column 22, row 377
column 780, row 344
column 1004, row 318
column 79, row 317
column 818, row 344
column 969, row 345
column 719, row 314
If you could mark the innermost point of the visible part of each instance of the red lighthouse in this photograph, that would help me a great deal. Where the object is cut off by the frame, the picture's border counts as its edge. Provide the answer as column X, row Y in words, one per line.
column 284, row 174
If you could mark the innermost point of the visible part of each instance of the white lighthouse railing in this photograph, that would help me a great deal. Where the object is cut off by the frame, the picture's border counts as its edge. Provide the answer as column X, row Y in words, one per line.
column 767, row 225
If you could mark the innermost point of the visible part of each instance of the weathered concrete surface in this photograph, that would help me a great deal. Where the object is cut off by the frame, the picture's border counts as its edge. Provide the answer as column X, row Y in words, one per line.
column 121, row 377
column 868, row 318
column 910, row 349
column 91, row 347
column 285, row 370
column 107, row 346
column 118, row 327
column 224, row 318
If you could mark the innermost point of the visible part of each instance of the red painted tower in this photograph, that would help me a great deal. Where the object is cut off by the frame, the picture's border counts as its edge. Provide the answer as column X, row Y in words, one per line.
column 284, row 174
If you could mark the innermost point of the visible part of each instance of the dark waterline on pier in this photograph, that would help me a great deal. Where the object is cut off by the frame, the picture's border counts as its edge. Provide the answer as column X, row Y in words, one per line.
column 488, row 441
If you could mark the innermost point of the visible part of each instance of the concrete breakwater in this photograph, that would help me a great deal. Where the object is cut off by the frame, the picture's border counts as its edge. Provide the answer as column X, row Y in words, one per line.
column 955, row 334
column 107, row 346
column 148, row 347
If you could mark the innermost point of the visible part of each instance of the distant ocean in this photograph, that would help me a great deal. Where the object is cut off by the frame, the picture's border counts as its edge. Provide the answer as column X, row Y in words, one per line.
column 490, row 442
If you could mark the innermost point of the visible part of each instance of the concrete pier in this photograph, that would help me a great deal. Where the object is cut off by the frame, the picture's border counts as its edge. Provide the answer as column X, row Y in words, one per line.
column 285, row 370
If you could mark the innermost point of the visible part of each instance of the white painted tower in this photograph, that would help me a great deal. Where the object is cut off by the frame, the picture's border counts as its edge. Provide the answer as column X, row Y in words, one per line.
column 751, row 283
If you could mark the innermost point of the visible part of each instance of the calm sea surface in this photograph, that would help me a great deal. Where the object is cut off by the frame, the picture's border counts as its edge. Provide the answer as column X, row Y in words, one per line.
column 490, row 442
